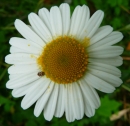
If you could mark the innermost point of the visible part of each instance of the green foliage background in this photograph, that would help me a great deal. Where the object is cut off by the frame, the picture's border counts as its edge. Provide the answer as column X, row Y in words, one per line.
column 117, row 14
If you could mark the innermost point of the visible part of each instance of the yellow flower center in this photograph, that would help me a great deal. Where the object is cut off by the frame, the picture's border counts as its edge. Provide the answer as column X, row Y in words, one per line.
column 64, row 60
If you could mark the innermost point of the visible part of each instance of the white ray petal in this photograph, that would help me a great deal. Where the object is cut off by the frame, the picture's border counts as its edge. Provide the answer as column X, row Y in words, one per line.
column 60, row 106
column 88, row 108
column 17, row 50
column 75, row 21
column 113, row 80
column 89, row 111
column 22, row 80
column 115, row 61
column 17, row 69
column 21, row 58
column 26, row 45
column 90, row 94
column 85, row 15
column 40, row 27
column 49, row 109
column 45, row 17
column 98, row 83
column 78, row 21
column 106, row 52
column 109, row 40
column 56, row 21
column 101, row 33
column 26, row 32
column 40, row 104
column 105, row 68
column 31, row 27
column 77, row 101
column 65, row 14
column 19, row 75
column 68, row 103
column 14, row 76
column 92, row 25
column 21, row 91
column 33, row 95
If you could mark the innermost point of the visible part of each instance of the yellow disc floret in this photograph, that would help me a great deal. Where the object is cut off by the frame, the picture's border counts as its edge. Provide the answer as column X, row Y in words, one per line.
column 63, row 60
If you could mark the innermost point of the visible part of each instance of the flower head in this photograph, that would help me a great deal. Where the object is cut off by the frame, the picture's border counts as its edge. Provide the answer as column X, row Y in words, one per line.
column 62, row 59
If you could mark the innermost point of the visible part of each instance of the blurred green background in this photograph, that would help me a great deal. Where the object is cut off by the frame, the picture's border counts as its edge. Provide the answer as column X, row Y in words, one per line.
column 117, row 14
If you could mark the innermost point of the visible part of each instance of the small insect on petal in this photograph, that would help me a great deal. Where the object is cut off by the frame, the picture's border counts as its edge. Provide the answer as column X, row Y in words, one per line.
column 41, row 74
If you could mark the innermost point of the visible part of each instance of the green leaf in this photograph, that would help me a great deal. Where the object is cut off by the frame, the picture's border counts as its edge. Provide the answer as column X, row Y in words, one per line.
column 7, row 103
column 112, row 3
column 3, row 100
column 116, row 22
column 83, row 1
column 2, row 36
column 119, row 2
column 108, row 107
column 103, row 113
column 31, row 123
column 117, row 11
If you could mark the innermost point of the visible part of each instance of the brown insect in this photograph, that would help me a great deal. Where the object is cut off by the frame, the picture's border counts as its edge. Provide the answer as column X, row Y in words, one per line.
column 41, row 74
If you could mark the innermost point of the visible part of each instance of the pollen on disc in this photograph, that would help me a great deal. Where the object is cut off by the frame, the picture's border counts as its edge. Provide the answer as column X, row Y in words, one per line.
column 63, row 60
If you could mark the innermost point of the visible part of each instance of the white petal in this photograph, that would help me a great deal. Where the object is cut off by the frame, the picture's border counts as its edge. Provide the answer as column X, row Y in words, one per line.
column 56, row 22
column 14, row 76
column 90, row 94
column 113, row 80
column 19, row 75
column 68, row 103
column 75, row 21
column 28, row 68
column 21, row 58
column 105, row 68
column 115, row 61
column 31, row 27
column 65, row 14
column 21, row 91
column 92, row 25
column 17, row 50
column 78, row 21
column 89, row 111
column 40, row 27
column 49, row 109
column 40, row 104
column 26, row 32
column 101, row 33
column 88, row 108
column 77, row 101
column 45, row 17
column 106, row 52
column 85, row 15
column 25, row 45
column 98, row 83
column 60, row 106
column 109, row 40
column 33, row 95
column 22, row 80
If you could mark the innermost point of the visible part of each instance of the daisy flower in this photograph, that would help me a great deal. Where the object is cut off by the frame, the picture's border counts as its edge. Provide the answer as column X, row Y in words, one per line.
column 62, row 60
